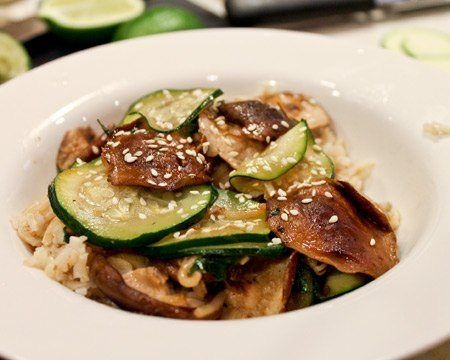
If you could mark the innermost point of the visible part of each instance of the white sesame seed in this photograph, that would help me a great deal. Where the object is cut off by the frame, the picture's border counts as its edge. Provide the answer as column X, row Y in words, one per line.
column 125, row 151
column 333, row 219
column 138, row 153
column 81, row 162
column 180, row 155
column 275, row 126
column 95, row 149
column 167, row 176
column 282, row 198
column 328, row 194
column 233, row 153
column 306, row 200
column 281, row 192
column 285, row 123
column 140, row 131
column 267, row 139
column 163, row 149
column 372, row 242
column 113, row 144
column 291, row 160
column 154, row 172
column 98, row 178
column 169, row 137
column 317, row 183
column 151, row 182
column 142, row 201
column 294, row 212
column 284, row 217
column 314, row 192
column 149, row 158
column 189, row 140
column 162, row 183
column 130, row 158
column 276, row 241
column 142, row 216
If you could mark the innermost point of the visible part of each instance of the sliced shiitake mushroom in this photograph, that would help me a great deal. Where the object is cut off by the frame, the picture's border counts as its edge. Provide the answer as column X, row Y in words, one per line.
column 261, row 288
column 333, row 223
column 259, row 121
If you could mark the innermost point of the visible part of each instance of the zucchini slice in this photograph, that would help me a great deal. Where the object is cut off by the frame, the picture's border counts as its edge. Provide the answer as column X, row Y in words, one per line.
column 169, row 110
column 233, row 219
column 123, row 216
column 276, row 159
column 238, row 249
column 313, row 165
column 338, row 283
column 304, row 290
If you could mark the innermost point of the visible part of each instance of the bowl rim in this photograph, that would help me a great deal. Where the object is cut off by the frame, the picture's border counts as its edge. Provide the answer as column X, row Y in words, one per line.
column 407, row 347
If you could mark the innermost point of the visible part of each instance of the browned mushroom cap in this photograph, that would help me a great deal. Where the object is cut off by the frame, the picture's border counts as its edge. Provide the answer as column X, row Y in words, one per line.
column 112, row 284
column 299, row 106
column 159, row 161
column 262, row 288
column 335, row 224
column 81, row 142
column 258, row 120
column 227, row 140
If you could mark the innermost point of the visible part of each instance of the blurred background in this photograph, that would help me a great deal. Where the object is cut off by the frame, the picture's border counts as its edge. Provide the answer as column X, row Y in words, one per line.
column 49, row 29
column 33, row 32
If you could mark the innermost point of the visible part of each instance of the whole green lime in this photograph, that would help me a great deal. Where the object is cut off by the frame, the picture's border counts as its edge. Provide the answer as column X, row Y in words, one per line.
column 159, row 19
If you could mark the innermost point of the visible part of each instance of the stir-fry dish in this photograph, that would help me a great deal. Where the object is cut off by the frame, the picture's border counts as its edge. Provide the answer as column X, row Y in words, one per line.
column 194, row 207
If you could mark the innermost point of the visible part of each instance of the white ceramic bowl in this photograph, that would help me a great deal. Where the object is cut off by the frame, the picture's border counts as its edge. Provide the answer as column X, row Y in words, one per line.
column 378, row 102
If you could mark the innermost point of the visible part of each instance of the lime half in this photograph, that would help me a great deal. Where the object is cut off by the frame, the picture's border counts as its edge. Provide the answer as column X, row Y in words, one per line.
column 88, row 20
column 159, row 19
column 14, row 59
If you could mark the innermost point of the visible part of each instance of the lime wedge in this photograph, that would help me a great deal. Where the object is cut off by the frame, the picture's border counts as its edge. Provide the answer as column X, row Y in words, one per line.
column 14, row 59
column 88, row 20
column 159, row 19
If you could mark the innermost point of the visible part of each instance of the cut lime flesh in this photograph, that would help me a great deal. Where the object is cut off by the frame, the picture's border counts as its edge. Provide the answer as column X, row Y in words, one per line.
column 14, row 59
column 83, row 14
